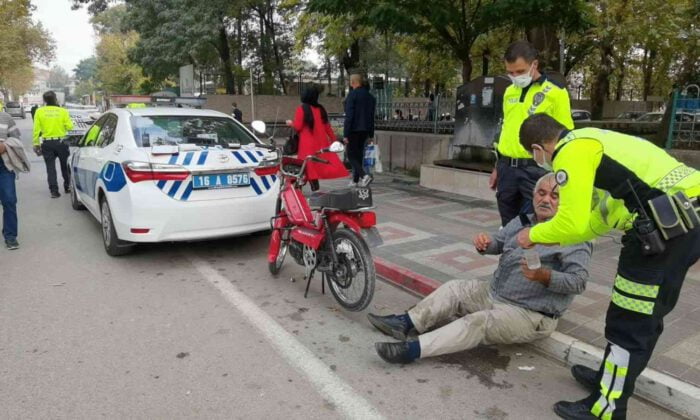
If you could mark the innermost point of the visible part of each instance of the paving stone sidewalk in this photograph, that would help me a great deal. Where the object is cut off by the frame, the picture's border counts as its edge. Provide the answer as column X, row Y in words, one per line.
column 429, row 232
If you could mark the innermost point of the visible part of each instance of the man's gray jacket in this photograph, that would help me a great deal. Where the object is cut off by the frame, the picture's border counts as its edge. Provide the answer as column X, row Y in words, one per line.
column 569, row 267
column 15, row 158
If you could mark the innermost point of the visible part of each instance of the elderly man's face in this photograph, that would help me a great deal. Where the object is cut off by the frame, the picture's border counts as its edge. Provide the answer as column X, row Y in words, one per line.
column 546, row 199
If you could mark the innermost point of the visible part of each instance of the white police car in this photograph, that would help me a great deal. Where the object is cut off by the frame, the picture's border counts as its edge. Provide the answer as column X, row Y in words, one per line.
column 173, row 174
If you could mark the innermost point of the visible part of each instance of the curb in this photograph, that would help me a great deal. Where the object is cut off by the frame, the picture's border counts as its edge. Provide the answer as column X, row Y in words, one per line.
column 662, row 389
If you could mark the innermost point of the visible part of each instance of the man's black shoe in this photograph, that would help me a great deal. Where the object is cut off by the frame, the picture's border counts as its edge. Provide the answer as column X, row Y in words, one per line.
column 390, row 325
column 66, row 189
column 12, row 244
column 585, row 376
column 573, row 410
column 394, row 352
column 55, row 194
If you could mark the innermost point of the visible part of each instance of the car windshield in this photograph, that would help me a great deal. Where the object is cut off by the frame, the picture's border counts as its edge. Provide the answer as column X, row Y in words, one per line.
column 13, row 105
column 154, row 130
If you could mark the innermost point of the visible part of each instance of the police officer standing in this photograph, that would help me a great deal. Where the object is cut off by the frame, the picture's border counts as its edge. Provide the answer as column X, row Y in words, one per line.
column 515, row 173
column 653, row 198
column 51, row 123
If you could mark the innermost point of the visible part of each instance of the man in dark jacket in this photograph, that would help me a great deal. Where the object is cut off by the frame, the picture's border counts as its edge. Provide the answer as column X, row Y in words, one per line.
column 359, row 126
column 236, row 113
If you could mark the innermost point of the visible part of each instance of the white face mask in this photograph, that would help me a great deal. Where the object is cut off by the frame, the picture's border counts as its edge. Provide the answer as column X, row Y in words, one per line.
column 544, row 164
column 523, row 80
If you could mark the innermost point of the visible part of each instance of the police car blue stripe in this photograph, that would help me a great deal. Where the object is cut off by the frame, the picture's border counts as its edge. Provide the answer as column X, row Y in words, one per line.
column 274, row 178
column 251, row 156
column 161, row 184
column 188, row 158
column 265, row 183
column 187, row 192
column 202, row 158
column 174, row 188
column 255, row 186
column 173, row 159
column 239, row 157
column 259, row 153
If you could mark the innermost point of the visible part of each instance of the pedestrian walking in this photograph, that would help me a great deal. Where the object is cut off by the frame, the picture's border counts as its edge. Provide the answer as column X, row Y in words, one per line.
column 515, row 173
column 236, row 113
column 51, row 124
column 12, row 160
column 315, row 133
column 655, row 200
column 359, row 126
column 33, row 109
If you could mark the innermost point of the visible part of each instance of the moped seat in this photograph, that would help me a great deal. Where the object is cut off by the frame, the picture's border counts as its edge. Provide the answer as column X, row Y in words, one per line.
column 342, row 199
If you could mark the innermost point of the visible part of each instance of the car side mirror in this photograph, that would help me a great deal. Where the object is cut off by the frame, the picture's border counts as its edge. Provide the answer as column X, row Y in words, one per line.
column 259, row 126
column 73, row 141
column 337, row 147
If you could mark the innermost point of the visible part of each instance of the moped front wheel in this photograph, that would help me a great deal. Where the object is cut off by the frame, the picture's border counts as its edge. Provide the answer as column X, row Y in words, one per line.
column 352, row 280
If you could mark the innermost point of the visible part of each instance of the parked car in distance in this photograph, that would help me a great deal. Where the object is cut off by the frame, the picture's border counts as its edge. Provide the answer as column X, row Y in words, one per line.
column 15, row 109
column 629, row 115
column 658, row 116
column 580, row 115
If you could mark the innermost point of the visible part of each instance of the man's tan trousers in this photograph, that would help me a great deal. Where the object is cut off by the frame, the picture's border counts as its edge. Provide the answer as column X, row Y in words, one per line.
column 482, row 319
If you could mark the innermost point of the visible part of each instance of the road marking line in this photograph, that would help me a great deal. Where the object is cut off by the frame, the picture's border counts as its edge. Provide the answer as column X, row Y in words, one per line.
column 327, row 383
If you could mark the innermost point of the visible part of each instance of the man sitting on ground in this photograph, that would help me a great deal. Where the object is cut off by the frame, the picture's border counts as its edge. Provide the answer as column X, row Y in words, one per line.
column 517, row 305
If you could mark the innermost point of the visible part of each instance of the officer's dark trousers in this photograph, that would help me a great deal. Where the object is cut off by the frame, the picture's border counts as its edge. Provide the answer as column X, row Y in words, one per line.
column 514, row 189
column 51, row 150
column 646, row 289
column 356, row 153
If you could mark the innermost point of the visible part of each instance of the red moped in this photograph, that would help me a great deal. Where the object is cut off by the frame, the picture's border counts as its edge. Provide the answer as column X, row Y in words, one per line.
column 331, row 233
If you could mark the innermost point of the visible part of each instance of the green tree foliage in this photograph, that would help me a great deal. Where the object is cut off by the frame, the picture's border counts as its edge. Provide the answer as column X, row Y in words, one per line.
column 22, row 42
column 86, row 69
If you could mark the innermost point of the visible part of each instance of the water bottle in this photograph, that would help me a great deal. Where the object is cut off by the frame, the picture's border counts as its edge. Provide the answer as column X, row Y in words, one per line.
column 532, row 258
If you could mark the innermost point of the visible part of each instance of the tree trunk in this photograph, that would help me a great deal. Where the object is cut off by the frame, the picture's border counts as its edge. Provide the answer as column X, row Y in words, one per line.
column 620, row 82
column 351, row 58
column 328, row 75
column 547, row 43
column 225, row 54
column 341, row 80
column 279, row 64
column 239, row 50
column 466, row 69
column 648, row 72
column 407, row 87
column 485, row 62
column 601, row 84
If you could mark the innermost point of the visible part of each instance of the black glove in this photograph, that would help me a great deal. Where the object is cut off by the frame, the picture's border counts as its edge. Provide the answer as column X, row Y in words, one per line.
column 37, row 150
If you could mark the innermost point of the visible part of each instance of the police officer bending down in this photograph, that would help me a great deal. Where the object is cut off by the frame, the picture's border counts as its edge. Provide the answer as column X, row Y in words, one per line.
column 51, row 123
column 637, row 188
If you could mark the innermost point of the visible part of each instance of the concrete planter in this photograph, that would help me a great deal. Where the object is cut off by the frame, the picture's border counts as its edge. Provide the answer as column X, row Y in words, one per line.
column 457, row 181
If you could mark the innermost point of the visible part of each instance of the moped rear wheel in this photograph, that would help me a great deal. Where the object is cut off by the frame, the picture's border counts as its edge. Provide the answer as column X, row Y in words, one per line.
column 352, row 280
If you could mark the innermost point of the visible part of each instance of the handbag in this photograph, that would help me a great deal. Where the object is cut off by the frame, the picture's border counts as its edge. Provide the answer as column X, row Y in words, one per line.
column 291, row 146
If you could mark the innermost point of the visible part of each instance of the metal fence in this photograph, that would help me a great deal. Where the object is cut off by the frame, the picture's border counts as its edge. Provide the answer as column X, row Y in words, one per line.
column 684, row 127
column 416, row 116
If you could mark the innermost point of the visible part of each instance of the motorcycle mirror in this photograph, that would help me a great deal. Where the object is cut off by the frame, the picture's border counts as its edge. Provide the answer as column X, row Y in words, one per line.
column 337, row 147
column 258, row 126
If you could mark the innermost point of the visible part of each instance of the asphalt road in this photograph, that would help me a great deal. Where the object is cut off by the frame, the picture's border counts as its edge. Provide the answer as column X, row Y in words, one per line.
column 201, row 330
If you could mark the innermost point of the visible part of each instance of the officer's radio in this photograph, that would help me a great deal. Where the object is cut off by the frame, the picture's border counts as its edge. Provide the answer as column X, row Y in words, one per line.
column 646, row 231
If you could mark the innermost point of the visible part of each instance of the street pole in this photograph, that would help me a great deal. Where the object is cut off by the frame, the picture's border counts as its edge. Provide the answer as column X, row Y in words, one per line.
column 562, row 59
column 252, row 96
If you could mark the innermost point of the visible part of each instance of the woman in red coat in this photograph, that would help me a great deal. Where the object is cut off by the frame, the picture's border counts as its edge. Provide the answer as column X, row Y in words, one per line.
column 315, row 133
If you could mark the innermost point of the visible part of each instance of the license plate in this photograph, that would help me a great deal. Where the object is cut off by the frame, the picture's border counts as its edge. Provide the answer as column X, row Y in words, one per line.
column 216, row 181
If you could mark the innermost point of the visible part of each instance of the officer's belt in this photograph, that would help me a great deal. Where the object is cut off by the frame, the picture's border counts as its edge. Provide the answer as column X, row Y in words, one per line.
column 54, row 139
column 517, row 163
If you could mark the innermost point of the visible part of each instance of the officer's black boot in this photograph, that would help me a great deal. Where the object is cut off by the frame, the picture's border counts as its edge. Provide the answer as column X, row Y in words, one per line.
column 577, row 410
column 585, row 376
column 55, row 194
column 403, row 352
column 397, row 326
